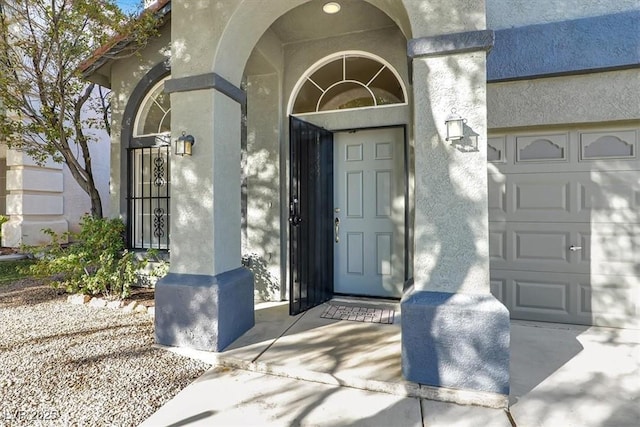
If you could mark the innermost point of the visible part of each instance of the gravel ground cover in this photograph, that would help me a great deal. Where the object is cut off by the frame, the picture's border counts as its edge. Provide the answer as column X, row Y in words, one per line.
column 74, row 365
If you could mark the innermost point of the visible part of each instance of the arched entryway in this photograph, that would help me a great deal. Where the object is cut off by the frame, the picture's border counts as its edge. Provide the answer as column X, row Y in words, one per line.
column 347, row 71
column 230, row 55
column 347, row 187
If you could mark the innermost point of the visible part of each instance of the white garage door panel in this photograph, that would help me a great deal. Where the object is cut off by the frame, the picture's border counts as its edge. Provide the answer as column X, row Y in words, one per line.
column 498, row 243
column 549, row 192
column 531, row 246
column 599, row 197
column 569, row 298
column 611, row 197
column 540, row 197
column 566, row 197
column 497, row 197
column 609, row 249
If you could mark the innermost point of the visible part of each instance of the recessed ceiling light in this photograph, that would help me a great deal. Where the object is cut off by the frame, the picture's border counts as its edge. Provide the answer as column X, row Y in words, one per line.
column 331, row 7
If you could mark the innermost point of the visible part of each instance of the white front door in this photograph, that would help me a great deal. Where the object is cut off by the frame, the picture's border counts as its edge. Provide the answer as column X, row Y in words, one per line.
column 369, row 212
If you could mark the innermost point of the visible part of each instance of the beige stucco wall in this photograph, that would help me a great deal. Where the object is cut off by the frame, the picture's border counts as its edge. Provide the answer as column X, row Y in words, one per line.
column 261, row 246
column 517, row 13
column 125, row 75
column 589, row 98
column 451, row 186
column 261, row 242
column 223, row 22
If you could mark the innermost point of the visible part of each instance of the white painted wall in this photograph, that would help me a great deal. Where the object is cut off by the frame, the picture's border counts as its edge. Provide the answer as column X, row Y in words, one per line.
column 48, row 197
column 76, row 201
column 3, row 179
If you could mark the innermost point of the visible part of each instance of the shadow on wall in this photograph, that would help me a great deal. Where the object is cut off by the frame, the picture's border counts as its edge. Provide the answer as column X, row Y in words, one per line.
column 261, row 186
column 450, row 240
column 266, row 287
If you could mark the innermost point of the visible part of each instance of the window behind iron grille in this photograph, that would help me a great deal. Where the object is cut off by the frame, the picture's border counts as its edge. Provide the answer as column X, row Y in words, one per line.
column 149, row 172
column 149, row 195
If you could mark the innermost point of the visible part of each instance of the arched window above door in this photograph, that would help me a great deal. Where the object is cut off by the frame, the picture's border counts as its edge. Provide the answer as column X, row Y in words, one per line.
column 154, row 115
column 346, row 81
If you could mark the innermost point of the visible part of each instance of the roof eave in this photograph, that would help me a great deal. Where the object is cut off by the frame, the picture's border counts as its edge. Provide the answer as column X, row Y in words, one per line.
column 110, row 50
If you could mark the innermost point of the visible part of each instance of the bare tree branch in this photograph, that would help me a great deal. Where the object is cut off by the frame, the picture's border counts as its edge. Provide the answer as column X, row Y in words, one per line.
column 46, row 108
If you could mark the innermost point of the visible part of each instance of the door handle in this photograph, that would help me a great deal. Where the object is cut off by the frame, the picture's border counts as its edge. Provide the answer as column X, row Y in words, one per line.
column 337, row 229
column 294, row 218
column 575, row 248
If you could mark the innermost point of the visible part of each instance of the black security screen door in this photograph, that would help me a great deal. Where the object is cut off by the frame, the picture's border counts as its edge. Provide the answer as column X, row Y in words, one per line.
column 310, row 216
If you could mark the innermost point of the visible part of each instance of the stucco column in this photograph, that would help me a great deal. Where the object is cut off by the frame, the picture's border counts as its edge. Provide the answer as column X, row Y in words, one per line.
column 451, row 221
column 34, row 200
column 206, row 300
column 455, row 334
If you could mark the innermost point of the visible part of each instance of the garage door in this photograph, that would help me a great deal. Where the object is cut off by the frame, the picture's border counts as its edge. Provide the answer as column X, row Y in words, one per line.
column 564, row 224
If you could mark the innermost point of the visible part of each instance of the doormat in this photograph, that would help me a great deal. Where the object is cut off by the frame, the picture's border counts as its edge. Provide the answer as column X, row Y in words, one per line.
column 359, row 314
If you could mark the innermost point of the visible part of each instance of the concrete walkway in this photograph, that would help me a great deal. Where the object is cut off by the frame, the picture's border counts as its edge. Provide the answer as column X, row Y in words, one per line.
column 310, row 371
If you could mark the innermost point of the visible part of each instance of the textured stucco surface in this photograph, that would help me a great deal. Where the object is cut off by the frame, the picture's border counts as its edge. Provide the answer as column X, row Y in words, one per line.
column 261, row 246
column 220, row 36
column 517, row 13
column 451, row 237
column 205, row 202
column 589, row 98
column 456, row 340
column 602, row 42
column 468, row 41
column 429, row 18
column 203, row 312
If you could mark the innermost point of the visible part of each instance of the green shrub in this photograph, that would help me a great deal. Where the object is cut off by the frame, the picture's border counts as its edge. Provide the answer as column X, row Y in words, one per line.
column 96, row 262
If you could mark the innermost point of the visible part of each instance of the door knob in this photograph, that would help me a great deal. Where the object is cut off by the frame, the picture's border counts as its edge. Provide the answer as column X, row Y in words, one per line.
column 294, row 217
column 575, row 248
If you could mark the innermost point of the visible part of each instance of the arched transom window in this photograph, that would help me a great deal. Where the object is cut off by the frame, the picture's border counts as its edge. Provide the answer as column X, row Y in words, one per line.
column 351, row 80
column 154, row 115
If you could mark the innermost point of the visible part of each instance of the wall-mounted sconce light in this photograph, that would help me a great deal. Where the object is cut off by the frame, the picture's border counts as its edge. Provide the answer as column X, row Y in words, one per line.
column 184, row 143
column 455, row 126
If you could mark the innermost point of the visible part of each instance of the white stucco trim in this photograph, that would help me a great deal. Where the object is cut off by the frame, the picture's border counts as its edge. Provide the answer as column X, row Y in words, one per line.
column 329, row 58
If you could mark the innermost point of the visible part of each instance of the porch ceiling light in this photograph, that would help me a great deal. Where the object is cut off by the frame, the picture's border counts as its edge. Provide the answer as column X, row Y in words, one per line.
column 184, row 144
column 455, row 126
column 331, row 7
